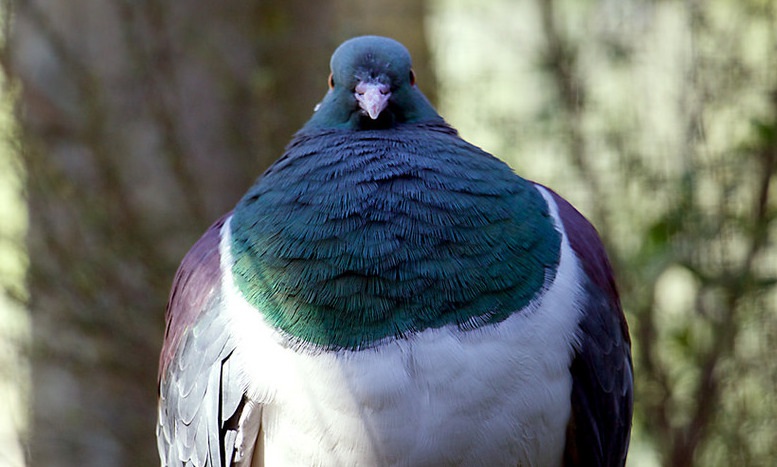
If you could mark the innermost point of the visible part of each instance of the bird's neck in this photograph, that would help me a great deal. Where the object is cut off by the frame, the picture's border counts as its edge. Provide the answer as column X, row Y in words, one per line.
column 337, row 111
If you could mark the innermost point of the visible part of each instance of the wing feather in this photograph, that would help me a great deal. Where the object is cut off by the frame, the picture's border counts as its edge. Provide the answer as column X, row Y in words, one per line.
column 602, row 390
column 199, row 391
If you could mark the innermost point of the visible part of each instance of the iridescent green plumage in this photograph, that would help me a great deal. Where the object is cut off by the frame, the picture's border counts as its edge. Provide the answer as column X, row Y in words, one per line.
column 369, row 229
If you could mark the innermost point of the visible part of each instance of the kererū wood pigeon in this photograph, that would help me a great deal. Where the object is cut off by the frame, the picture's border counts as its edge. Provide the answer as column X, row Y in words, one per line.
column 388, row 294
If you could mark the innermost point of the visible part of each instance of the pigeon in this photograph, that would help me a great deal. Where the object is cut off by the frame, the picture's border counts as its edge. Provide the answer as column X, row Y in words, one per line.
column 388, row 294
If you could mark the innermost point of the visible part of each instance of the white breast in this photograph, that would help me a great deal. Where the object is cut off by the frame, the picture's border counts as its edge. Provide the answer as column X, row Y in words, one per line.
column 497, row 395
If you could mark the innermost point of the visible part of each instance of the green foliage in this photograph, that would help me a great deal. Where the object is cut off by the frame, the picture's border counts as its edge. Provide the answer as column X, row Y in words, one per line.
column 14, row 322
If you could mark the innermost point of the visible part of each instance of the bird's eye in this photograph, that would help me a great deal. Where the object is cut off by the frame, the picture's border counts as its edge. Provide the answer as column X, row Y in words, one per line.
column 331, row 80
column 412, row 77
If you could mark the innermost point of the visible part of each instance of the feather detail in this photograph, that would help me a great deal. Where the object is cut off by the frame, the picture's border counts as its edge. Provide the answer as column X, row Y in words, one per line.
column 602, row 391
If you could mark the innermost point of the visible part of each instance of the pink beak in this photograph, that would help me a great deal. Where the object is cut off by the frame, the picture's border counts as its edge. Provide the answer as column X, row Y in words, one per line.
column 372, row 97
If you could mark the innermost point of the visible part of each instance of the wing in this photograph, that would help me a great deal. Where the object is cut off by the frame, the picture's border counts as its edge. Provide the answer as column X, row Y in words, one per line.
column 599, row 429
column 204, row 417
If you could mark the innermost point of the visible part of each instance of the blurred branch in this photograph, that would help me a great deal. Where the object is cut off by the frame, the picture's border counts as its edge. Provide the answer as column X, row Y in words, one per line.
column 561, row 60
column 646, row 335
column 737, row 282
column 115, row 215
column 151, row 52
column 93, row 132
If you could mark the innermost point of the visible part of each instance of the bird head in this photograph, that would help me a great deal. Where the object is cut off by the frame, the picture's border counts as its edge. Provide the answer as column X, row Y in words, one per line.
column 371, row 86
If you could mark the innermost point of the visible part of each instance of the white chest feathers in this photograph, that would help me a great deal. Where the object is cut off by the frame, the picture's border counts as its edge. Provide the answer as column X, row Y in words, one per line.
column 497, row 395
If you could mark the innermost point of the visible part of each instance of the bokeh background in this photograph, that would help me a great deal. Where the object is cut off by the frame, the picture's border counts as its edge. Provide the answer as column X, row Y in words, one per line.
column 127, row 126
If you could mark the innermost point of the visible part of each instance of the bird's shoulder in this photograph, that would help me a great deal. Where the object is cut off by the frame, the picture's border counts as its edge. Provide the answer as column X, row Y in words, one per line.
column 204, row 418
column 195, row 284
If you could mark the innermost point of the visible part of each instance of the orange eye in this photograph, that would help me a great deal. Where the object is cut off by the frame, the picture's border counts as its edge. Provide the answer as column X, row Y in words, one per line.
column 412, row 77
column 331, row 80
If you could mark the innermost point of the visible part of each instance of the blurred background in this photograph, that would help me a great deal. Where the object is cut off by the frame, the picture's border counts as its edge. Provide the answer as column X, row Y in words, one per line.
column 128, row 126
